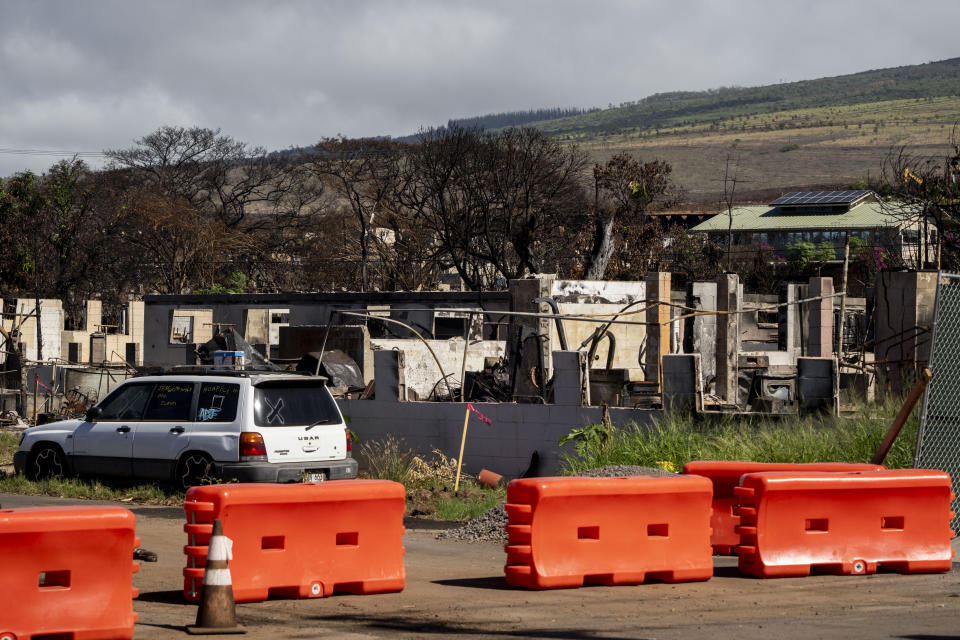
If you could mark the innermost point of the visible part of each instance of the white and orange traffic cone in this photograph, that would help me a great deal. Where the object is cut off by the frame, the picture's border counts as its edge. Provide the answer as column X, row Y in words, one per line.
column 217, row 613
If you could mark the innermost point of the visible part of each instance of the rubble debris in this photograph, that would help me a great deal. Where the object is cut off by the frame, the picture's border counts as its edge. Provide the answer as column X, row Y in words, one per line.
column 339, row 368
column 490, row 527
column 230, row 340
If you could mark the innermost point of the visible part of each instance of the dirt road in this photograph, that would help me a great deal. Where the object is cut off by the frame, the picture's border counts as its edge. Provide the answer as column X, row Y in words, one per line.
column 455, row 588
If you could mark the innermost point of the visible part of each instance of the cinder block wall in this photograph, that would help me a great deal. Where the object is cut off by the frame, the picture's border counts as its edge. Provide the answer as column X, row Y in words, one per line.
column 505, row 447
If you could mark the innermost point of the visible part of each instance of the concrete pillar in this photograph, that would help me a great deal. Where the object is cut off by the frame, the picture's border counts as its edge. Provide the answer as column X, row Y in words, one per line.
column 904, row 306
column 92, row 316
column 788, row 320
column 529, row 337
column 820, row 330
column 388, row 368
column 702, row 330
column 571, row 384
column 256, row 326
column 728, row 337
column 682, row 387
column 658, row 325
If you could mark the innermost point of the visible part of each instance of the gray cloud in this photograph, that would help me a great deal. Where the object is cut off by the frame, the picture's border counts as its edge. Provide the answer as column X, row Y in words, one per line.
column 93, row 75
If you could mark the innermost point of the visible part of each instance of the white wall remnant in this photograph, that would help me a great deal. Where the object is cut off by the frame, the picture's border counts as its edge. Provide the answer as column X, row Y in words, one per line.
column 420, row 371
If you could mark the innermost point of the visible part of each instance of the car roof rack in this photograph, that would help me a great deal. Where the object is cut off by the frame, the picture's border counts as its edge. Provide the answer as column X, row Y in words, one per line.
column 212, row 370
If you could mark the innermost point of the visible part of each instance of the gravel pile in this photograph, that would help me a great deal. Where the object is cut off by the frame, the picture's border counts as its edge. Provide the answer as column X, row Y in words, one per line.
column 620, row 470
column 490, row 527
column 487, row 528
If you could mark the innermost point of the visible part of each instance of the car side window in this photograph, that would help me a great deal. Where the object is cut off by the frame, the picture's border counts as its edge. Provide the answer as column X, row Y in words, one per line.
column 218, row 402
column 171, row 402
column 126, row 403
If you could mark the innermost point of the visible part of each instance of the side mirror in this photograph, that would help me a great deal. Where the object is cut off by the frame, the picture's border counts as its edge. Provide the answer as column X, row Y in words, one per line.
column 93, row 413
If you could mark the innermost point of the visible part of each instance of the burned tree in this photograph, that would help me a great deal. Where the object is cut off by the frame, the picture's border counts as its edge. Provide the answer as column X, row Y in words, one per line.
column 364, row 173
column 60, row 235
column 242, row 187
column 625, row 190
column 924, row 188
column 498, row 205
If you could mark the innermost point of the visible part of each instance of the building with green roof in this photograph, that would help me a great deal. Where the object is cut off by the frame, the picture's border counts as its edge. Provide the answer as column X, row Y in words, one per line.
column 825, row 217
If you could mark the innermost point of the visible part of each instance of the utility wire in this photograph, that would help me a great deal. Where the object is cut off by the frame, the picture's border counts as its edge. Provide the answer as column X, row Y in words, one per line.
column 51, row 152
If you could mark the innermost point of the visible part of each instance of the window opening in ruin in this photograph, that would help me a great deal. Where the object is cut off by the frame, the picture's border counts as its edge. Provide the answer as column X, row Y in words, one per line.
column 446, row 328
column 113, row 319
column 181, row 330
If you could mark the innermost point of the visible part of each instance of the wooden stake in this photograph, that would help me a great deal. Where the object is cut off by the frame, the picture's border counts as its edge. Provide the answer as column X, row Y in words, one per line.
column 463, row 442
column 843, row 301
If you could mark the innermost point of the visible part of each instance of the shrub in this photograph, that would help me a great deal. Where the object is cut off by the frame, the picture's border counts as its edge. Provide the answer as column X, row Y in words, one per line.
column 805, row 256
column 388, row 459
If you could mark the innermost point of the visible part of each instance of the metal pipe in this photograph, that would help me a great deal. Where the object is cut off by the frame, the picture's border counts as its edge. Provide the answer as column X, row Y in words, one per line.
column 463, row 363
column 598, row 317
column 611, row 349
column 416, row 333
column 604, row 330
column 326, row 334
column 561, row 336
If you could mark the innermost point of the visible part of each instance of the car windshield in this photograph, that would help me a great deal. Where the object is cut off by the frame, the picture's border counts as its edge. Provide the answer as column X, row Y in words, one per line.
column 293, row 404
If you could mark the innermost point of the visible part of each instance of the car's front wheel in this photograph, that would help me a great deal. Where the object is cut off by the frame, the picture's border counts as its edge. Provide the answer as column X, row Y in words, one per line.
column 193, row 469
column 46, row 461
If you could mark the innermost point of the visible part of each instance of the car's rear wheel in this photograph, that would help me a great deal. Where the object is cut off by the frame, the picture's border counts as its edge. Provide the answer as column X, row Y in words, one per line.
column 46, row 461
column 193, row 469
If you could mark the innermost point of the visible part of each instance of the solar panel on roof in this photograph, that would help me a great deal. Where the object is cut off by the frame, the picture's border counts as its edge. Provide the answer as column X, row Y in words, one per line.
column 819, row 197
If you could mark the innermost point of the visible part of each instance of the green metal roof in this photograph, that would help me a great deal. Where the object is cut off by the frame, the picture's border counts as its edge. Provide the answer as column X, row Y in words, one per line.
column 869, row 215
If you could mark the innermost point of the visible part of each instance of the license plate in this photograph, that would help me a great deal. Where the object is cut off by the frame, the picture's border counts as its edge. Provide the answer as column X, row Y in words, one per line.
column 314, row 477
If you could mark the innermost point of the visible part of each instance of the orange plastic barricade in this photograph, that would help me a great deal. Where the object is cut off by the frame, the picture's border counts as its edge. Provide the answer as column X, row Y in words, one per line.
column 300, row 540
column 846, row 523
column 67, row 572
column 563, row 532
column 725, row 475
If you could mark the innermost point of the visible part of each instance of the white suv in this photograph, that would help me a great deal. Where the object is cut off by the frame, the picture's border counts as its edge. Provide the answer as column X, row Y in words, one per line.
column 184, row 426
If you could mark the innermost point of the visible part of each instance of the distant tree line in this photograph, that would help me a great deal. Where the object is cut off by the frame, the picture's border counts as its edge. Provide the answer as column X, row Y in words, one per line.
column 193, row 210
column 515, row 118
column 691, row 107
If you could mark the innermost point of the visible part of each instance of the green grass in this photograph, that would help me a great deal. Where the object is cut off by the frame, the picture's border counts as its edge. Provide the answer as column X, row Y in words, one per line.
column 9, row 443
column 89, row 490
column 677, row 439
column 472, row 506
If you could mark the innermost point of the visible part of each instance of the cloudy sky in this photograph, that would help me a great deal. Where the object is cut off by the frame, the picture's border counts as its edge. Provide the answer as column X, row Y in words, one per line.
column 83, row 76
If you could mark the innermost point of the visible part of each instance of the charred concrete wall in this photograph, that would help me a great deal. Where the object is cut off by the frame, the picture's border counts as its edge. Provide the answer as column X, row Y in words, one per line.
column 421, row 372
column 231, row 310
column 21, row 313
column 96, row 343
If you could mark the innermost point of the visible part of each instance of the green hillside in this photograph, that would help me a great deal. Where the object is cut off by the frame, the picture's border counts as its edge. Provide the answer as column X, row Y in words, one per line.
column 678, row 109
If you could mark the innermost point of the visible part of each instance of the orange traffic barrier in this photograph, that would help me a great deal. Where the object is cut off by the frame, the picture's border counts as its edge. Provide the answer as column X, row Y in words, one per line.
column 563, row 532
column 846, row 523
column 725, row 475
column 300, row 540
column 67, row 572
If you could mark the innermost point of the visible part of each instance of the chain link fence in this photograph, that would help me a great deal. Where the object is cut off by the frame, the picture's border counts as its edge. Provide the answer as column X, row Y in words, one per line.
column 938, row 440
